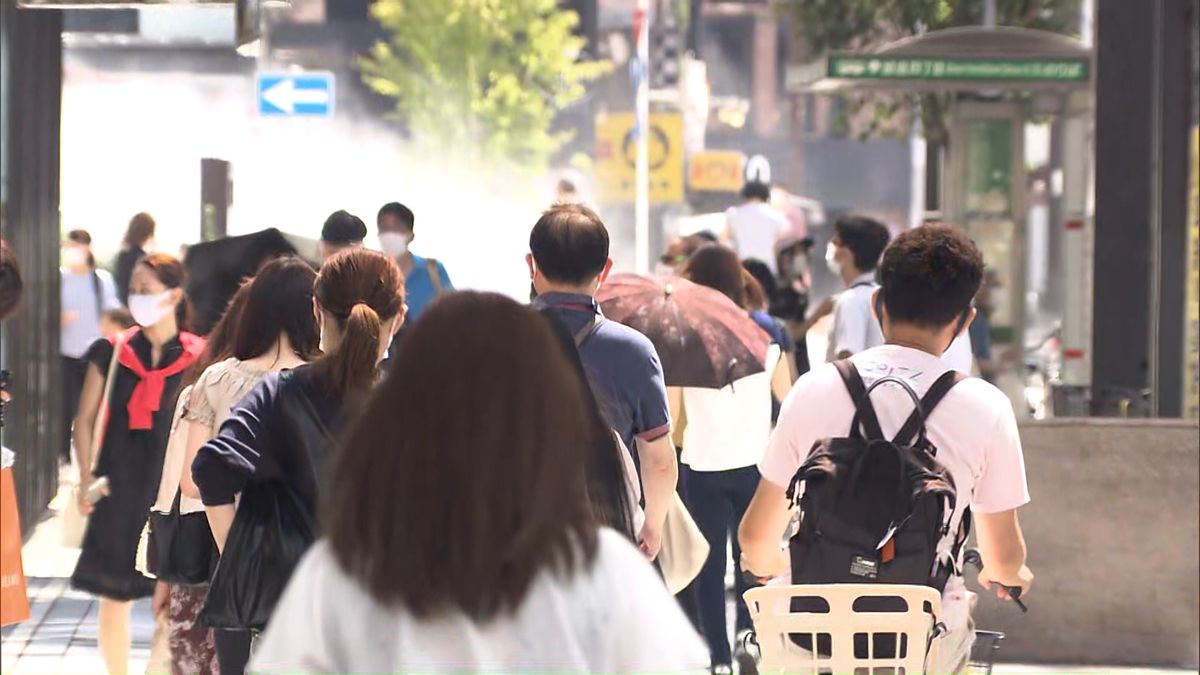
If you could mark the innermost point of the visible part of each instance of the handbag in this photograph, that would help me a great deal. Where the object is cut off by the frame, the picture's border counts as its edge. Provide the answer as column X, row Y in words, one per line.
column 180, row 548
column 74, row 523
column 684, row 548
column 270, row 533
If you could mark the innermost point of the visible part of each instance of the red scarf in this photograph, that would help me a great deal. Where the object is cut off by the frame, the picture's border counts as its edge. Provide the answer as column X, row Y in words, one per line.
column 147, row 395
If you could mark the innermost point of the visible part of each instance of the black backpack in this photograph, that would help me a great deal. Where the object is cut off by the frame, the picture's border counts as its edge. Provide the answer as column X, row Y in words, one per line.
column 874, row 510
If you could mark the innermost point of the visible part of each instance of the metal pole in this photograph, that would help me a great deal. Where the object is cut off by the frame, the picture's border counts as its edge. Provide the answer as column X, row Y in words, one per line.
column 1156, row 169
column 641, row 245
column 989, row 13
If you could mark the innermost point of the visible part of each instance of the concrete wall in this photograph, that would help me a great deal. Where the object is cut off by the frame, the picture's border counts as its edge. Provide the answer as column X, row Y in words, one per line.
column 1113, row 537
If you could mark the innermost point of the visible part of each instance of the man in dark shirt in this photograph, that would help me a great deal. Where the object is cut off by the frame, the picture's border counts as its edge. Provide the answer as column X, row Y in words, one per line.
column 568, row 261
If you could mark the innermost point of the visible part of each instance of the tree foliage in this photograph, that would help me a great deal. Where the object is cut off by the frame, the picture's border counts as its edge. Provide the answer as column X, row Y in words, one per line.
column 829, row 25
column 482, row 79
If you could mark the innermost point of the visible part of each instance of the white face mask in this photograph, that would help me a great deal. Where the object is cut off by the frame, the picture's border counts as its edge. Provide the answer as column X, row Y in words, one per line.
column 831, row 260
column 73, row 256
column 148, row 310
column 393, row 244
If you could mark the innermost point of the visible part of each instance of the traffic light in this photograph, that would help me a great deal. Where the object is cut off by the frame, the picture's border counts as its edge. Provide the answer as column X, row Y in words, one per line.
column 666, row 50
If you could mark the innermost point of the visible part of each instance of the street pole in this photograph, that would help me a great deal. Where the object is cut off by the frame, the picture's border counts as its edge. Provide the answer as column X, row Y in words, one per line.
column 989, row 13
column 641, row 207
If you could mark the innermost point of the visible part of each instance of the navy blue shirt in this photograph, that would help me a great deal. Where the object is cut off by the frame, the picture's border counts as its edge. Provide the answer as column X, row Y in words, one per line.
column 623, row 368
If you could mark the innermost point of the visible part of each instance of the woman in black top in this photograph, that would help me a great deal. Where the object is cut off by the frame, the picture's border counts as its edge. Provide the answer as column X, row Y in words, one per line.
column 141, row 230
column 282, row 434
column 151, row 361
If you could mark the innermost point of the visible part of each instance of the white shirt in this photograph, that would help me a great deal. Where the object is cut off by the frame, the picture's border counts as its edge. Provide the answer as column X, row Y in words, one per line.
column 616, row 617
column 973, row 429
column 756, row 227
column 856, row 328
column 729, row 428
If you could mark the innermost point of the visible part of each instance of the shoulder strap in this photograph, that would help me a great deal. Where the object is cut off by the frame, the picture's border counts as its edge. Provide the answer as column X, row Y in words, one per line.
column 96, row 293
column 588, row 329
column 864, row 411
column 934, row 396
column 435, row 276
column 101, row 425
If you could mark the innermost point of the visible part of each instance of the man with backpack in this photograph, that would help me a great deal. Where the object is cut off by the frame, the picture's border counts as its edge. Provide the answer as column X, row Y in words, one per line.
column 886, row 496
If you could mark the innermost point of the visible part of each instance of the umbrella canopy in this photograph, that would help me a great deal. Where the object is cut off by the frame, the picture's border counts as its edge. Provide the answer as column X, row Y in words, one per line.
column 216, row 268
column 703, row 338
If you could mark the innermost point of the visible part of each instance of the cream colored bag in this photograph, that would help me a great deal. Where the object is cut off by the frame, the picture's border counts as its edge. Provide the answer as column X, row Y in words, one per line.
column 684, row 548
column 74, row 523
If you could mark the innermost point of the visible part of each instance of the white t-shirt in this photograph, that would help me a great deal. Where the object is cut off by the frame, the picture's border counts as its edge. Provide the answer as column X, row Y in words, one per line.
column 756, row 227
column 855, row 328
column 729, row 428
column 616, row 617
column 973, row 429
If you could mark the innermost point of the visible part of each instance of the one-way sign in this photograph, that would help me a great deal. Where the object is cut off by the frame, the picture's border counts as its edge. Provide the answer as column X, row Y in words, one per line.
column 295, row 94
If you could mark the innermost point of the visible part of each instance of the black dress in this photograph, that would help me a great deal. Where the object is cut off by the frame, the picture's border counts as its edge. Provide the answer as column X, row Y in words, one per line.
column 132, row 461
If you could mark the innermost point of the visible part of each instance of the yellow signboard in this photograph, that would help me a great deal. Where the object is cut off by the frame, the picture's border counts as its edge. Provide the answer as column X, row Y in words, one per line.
column 616, row 157
column 1191, row 339
column 716, row 171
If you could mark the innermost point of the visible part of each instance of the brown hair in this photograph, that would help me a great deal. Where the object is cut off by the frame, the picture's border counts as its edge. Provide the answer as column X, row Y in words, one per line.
column 717, row 267
column 756, row 297
column 361, row 290
column 141, row 228
column 460, row 501
column 219, row 342
column 170, row 272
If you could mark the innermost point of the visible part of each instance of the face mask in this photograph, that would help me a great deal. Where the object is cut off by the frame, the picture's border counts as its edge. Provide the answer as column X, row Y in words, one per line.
column 394, row 244
column 148, row 310
column 831, row 260
column 74, row 257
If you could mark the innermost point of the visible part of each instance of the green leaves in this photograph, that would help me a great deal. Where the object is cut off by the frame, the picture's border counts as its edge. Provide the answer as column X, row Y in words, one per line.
column 483, row 78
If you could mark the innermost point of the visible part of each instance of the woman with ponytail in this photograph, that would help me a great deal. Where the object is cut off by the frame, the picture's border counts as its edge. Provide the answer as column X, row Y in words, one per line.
column 282, row 434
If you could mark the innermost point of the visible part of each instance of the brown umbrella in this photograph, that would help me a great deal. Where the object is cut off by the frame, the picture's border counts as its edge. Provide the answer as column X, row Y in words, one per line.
column 703, row 338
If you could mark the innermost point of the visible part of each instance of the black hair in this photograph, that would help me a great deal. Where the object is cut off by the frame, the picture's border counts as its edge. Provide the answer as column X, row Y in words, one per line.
column 866, row 239
column 707, row 236
column 343, row 228
column 279, row 302
column 11, row 286
column 929, row 276
column 566, row 186
column 765, row 278
column 569, row 244
column 756, row 190
column 400, row 211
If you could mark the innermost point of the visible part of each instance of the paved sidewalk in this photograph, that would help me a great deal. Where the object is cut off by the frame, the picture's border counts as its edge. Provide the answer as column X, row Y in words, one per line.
column 60, row 635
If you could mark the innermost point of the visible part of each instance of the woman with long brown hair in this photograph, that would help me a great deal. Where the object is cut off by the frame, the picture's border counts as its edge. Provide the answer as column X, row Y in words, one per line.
column 147, row 366
column 725, row 436
column 462, row 538
column 278, row 439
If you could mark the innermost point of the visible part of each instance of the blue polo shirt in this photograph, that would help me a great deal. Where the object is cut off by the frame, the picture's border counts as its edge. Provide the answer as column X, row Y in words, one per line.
column 419, row 289
column 623, row 368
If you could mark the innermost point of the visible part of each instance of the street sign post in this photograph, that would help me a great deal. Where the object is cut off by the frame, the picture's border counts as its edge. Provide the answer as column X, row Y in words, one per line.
column 295, row 94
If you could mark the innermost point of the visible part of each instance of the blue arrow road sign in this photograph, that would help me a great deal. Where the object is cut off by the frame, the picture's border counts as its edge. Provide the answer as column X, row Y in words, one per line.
column 295, row 94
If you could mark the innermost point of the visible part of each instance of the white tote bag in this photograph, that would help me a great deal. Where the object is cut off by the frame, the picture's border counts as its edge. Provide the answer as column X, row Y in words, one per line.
column 74, row 523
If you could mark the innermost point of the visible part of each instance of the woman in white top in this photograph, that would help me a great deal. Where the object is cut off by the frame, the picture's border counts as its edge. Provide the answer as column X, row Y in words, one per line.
column 461, row 538
column 725, row 436
column 276, row 330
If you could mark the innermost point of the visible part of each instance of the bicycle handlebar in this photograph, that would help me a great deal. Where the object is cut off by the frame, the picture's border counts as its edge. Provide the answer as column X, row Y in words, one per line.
column 972, row 557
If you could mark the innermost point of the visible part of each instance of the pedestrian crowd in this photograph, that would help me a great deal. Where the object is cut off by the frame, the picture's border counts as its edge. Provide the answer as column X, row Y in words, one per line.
column 359, row 469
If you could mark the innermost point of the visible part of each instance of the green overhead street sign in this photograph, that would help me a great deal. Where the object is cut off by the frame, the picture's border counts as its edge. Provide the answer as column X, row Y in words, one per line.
column 932, row 68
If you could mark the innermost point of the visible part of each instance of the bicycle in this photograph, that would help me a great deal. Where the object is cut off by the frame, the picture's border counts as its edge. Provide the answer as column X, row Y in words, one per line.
column 987, row 643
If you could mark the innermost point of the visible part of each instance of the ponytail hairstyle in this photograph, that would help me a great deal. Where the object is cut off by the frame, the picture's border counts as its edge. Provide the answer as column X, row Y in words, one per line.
column 168, row 270
column 362, row 290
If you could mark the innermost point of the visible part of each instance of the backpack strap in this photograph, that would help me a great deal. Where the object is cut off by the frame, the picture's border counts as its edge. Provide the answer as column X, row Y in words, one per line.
column 435, row 277
column 914, row 425
column 97, row 293
column 864, row 411
column 588, row 329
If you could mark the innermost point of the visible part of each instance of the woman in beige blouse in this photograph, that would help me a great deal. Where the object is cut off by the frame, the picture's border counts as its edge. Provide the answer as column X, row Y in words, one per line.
column 277, row 331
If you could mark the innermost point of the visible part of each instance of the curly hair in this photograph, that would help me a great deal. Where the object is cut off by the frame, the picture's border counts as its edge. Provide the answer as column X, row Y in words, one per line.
column 929, row 276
